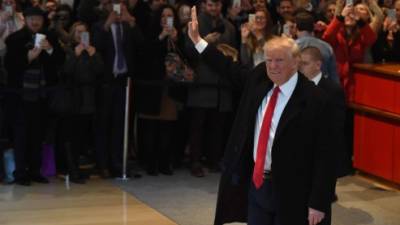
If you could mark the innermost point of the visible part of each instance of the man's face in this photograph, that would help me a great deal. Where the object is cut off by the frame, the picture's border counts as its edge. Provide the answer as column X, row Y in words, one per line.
column 280, row 63
column 285, row 8
column 259, row 4
column 34, row 23
column 330, row 12
column 184, row 14
column 156, row 4
column 308, row 66
column 213, row 8
column 51, row 6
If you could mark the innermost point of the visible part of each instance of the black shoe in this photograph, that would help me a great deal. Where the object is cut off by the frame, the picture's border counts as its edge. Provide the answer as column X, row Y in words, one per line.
column 24, row 181
column 105, row 174
column 116, row 174
column 77, row 179
column 39, row 179
column 152, row 172
column 197, row 171
column 214, row 168
column 167, row 171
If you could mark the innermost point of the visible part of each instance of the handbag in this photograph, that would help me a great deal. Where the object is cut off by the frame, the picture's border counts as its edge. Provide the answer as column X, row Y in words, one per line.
column 48, row 161
column 177, row 67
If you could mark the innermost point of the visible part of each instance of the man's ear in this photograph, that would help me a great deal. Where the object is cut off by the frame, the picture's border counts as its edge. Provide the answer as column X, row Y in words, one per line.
column 319, row 63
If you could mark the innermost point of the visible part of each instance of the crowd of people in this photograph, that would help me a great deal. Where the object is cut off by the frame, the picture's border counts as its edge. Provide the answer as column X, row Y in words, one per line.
column 64, row 67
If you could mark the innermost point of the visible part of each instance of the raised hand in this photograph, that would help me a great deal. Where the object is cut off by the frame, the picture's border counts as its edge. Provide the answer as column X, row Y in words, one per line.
column 79, row 49
column 348, row 9
column 33, row 54
column 193, row 29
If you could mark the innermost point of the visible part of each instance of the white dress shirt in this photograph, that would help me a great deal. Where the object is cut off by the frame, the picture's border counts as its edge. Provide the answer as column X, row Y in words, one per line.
column 286, row 91
column 114, row 33
column 317, row 79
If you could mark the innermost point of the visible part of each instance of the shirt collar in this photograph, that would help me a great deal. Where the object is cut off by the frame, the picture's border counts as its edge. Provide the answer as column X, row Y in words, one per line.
column 287, row 88
column 317, row 78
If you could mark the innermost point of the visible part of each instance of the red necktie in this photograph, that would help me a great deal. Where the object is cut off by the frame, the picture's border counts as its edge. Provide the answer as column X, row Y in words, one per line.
column 258, row 173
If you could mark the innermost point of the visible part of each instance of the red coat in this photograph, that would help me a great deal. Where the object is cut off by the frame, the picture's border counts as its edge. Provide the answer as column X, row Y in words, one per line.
column 348, row 51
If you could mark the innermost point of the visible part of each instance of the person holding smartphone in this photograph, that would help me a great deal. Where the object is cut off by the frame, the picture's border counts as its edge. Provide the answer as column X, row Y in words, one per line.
column 157, row 105
column 350, row 36
column 31, row 68
column 82, row 69
column 387, row 47
column 254, row 34
column 10, row 21
column 119, row 41
column 210, row 105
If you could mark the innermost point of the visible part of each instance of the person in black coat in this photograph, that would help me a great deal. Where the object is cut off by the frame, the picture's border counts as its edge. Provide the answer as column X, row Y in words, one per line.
column 118, row 40
column 82, row 69
column 311, row 61
column 155, row 103
column 31, row 65
column 387, row 46
column 299, row 173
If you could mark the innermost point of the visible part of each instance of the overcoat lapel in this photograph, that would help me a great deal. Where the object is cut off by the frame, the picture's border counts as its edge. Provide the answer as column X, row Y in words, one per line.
column 293, row 107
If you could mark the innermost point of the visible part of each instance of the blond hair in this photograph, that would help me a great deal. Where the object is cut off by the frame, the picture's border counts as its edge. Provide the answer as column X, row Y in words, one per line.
column 283, row 43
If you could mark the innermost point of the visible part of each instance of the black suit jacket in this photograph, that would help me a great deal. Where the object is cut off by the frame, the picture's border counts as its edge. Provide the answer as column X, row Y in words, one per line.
column 336, row 97
column 303, row 170
column 132, row 42
column 16, row 60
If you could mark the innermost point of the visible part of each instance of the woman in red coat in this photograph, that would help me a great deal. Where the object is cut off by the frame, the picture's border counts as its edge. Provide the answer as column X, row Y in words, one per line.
column 349, row 37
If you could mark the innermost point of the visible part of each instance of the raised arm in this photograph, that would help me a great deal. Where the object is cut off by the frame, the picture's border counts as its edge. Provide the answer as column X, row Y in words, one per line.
column 224, row 66
column 378, row 16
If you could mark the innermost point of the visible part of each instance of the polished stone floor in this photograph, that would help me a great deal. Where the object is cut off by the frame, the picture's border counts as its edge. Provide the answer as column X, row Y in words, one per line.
column 191, row 201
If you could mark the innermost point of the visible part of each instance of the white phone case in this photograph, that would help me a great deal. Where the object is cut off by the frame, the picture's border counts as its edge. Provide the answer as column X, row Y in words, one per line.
column 117, row 8
column 170, row 22
column 85, row 38
column 237, row 3
column 252, row 18
column 38, row 39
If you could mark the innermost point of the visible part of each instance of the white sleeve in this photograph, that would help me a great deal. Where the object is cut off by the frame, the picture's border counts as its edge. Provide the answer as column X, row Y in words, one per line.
column 201, row 46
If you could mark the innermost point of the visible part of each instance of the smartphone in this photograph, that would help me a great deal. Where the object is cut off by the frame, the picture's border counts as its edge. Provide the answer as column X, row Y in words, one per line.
column 85, row 39
column 38, row 39
column 391, row 14
column 286, row 29
column 252, row 18
column 170, row 22
column 349, row 2
column 117, row 8
column 236, row 3
column 9, row 9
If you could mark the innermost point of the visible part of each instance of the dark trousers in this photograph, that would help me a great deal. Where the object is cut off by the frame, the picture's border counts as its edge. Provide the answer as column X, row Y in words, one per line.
column 157, row 143
column 349, row 141
column 262, row 205
column 74, row 133
column 262, row 208
column 28, row 124
column 207, row 132
column 109, row 126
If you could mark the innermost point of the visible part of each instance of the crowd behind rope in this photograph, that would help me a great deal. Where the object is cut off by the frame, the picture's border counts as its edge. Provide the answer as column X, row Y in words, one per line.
column 64, row 67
